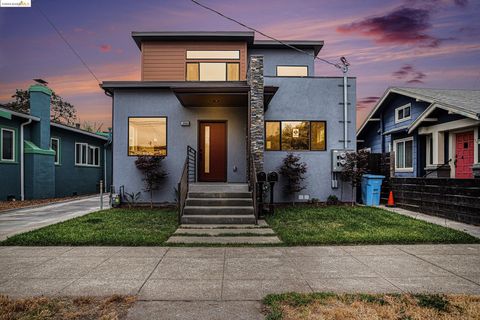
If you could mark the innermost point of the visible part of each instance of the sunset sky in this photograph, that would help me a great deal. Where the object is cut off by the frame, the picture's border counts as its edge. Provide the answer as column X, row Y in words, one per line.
column 420, row 43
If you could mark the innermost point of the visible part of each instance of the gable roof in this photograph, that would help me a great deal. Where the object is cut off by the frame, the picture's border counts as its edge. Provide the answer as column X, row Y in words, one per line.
column 464, row 102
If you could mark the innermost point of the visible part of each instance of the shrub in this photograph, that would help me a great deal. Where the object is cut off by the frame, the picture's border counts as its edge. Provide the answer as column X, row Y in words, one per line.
column 294, row 172
column 153, row 173
column 332, row 200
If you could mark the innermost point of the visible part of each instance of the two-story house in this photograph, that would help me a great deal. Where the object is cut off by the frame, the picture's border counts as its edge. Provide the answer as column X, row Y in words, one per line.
column 431, row 132
column 236, row 102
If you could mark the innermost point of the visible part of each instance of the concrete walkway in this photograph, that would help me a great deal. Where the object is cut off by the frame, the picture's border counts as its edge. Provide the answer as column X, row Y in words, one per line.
column 467, row 228
column 217, row 283
column 26, row 219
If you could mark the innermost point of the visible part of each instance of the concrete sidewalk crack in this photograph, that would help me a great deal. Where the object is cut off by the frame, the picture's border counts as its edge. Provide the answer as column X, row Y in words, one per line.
column 223, row 273
column 153, row 270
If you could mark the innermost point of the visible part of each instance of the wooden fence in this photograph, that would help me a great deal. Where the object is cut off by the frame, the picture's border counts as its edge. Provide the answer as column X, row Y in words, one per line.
column 456, row 199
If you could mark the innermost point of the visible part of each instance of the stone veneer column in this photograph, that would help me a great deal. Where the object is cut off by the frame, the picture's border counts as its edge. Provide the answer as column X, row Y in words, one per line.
column 256, row 115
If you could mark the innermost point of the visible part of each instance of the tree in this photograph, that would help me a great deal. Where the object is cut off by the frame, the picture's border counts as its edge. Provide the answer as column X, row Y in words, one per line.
column 153, row 173
column 355, row 167
column 92, row 126
column 293, row 170
column 61, row 111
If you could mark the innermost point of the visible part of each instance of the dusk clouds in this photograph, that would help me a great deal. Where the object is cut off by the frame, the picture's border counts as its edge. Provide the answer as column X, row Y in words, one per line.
column 409, row 74
column 105, row 48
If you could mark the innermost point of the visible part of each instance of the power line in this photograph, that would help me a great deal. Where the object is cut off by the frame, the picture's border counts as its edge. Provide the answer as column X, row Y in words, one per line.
column 265, row 35
column 67, row 43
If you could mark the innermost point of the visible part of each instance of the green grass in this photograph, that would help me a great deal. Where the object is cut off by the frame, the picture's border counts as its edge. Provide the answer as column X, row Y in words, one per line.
column 335, row 225
column 113, row 227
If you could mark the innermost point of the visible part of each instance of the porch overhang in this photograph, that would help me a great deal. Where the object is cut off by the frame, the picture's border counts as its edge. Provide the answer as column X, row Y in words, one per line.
column 225, row 95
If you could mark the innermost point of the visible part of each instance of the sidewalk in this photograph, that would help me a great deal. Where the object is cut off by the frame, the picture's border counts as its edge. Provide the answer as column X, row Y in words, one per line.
column 27, row 219
column 467, row 228
column 212, row 283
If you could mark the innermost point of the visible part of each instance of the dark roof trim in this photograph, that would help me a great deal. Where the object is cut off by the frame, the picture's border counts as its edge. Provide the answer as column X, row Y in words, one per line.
column 20, row 114
column 140, row 36
column 202, row 85
column 316, row 45
column 87, row 133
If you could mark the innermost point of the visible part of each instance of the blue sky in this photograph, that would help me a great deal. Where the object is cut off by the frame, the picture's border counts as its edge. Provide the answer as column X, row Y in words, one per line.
column 423, row 43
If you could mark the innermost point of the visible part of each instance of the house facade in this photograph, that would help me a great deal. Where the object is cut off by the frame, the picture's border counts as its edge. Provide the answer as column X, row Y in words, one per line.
column 43, row 159
column 237, row 102
column 431, row 132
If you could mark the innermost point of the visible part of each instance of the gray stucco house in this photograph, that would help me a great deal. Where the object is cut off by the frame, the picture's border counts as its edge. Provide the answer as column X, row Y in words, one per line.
column 238, row 102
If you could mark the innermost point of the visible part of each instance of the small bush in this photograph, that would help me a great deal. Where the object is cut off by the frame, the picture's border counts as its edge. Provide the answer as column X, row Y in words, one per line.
column 332, row 200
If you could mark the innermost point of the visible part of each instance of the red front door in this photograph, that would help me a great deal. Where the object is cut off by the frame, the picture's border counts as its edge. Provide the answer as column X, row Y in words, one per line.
column 464, row 155
column 212, row 146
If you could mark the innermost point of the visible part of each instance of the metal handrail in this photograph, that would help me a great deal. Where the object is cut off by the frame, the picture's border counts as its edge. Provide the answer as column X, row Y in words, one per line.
column 442, row 166
column 189, row 174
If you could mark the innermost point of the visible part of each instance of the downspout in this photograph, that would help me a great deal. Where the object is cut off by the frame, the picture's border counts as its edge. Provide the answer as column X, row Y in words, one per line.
column 22, row 161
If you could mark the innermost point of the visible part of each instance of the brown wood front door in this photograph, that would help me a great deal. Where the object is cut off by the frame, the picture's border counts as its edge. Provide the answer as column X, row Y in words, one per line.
column 212, row 146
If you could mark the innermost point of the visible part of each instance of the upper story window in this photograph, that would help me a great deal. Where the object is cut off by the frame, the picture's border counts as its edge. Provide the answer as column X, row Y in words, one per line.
column 216, row 70
column 7, row 143
column 215, row 55
column 403, row 113
column 292, row 71
column 147, row 136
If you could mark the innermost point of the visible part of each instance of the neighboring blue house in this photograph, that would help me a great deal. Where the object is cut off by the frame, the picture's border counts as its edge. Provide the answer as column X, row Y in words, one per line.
column 43, row 159
column 239, row 102
column 432, row 132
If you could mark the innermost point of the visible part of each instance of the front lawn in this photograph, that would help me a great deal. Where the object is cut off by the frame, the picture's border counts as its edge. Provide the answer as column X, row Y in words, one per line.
column 357, row 225
column 329, row 306
column 113, row 227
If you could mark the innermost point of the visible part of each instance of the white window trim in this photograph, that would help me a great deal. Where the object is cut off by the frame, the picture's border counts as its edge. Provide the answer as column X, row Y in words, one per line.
column 88, row 147
column 395, row 142
column 13, row 145
column 408, row 105
column 57, row 154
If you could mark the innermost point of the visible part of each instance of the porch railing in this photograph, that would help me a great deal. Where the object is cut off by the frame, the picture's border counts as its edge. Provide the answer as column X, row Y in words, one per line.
column 253, row 186
column 189, row 174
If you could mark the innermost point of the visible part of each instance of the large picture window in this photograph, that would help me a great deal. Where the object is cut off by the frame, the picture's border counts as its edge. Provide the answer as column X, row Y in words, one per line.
column 87, row 155
column 295, row 135
column 147, row 136
column 403, row 154
column 7, row 143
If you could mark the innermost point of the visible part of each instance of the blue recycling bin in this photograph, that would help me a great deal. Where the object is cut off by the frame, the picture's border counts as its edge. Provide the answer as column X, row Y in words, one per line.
column 371, row 187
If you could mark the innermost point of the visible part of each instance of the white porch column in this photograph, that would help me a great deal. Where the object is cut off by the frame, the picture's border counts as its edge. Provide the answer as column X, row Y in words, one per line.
column 438, row 147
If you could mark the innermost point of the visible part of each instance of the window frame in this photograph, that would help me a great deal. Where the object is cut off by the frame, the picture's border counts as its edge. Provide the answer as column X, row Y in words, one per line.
column 88, row 147
column 14, row 147
column 128, row 134
column 199, row 74
column 187, row 58
column 309, row 135
column 395, row 143
column 397, row 110
column 57, row 161
column 280, row 65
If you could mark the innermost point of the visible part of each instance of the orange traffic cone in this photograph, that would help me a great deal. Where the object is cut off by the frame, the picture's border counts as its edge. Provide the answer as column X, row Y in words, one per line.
column 390, row 202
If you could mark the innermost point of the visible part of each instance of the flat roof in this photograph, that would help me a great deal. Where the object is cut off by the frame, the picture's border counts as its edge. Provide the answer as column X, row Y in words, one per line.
column 140, row 36
column 316, row 45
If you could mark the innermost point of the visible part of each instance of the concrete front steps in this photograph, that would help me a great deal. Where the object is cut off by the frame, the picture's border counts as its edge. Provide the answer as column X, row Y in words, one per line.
column 225, row 234
column 218, row 203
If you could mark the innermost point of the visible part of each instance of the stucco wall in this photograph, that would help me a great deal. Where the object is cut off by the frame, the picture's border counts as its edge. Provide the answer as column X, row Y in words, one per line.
column 130, row 103
column 70, row 178
column 283, row 57
column 10, row 172
column 313, row 99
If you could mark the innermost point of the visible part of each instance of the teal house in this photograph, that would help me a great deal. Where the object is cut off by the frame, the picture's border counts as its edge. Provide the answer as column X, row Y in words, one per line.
column 43, row 159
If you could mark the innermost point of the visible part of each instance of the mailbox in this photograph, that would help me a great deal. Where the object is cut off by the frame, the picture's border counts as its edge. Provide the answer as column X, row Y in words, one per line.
column 261, row 176
column 272, row 176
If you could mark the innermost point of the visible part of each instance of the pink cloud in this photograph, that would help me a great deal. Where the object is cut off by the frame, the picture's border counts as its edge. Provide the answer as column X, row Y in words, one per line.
column 105, row 48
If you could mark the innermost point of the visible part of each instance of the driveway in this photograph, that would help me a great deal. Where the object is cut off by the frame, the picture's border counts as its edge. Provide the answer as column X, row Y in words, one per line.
column 223, row 283
column 26, row 219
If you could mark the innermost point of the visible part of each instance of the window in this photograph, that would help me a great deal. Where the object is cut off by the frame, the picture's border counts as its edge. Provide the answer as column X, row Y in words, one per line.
column 403, row 154
column 292, row 71
column 55, row 146
column 219, row 54
column 213, row 71
column 295, row 135
column 402, row 113
column 429, row 146
column 147, row 136
column 8, row 145
column 87, row 155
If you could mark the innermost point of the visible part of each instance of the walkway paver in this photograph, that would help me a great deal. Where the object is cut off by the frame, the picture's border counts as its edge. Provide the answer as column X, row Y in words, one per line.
column 27, row 219
column 189, row 281
column 464, row 227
